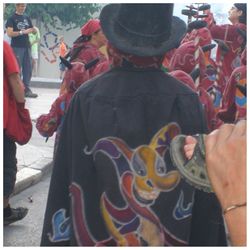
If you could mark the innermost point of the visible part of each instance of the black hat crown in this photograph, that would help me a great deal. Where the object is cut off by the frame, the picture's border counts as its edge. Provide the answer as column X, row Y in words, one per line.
column 142, row 29
column 145, row 22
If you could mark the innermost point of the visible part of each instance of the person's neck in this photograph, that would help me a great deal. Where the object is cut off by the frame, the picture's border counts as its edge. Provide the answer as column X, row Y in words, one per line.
column 19, row 13
column 234, row 21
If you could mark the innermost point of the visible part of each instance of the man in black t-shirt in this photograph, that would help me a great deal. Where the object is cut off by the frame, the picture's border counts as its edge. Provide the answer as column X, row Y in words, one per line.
column 18, row 27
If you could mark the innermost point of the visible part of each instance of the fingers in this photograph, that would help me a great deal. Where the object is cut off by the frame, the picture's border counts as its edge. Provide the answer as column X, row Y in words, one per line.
column 190, row 140
column 240, row 129
column 224, row 133
column 189, row 150
column 211, row 140
column 220, row 136
column 190, row 143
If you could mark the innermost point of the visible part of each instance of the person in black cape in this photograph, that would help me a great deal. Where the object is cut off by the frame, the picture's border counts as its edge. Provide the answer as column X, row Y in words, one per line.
column 113, row 183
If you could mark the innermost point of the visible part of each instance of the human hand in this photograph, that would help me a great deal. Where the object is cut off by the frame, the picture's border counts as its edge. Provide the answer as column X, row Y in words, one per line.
column 34, row 31
column 27, row 31
column 52, row 122
column 226, row 163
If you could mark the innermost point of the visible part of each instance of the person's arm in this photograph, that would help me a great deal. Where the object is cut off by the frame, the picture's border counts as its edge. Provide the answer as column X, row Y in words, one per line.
column 226, row 166
column 225, row 32
column 47, row 124
column 236, row 223
column 11, row 70
column 12, row 33
column 17, row 87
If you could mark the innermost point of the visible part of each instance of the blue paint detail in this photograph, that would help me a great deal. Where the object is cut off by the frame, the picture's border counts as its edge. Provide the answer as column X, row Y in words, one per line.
column 212, row 77
column 62, row 106
column 60, row 226
column 217, row 99
column 241, row 101
column 130, row 227
column 180, row 212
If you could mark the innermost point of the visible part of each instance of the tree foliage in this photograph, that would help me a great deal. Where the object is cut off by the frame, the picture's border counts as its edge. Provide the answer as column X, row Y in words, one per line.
column 69, row 14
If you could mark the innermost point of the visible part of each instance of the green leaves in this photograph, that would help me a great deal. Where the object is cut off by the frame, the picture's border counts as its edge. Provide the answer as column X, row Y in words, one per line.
column 74, row 15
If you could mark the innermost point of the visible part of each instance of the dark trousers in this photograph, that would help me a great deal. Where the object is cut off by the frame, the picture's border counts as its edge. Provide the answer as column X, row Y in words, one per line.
column 9, row 166
column 23, row 56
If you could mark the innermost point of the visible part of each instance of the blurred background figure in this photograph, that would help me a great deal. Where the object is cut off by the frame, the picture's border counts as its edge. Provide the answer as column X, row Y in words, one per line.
column 34, row 38
column 62, row 52
column 87, row 47
column 18, row 27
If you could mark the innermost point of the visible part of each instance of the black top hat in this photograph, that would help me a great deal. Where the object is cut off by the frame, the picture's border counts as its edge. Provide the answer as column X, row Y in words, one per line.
column 142, row 29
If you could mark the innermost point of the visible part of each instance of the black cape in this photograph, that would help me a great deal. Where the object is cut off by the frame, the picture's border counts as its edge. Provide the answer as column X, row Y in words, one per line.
column 113, row 182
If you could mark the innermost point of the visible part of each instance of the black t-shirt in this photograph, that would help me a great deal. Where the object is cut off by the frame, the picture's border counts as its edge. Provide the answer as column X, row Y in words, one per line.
column 19, row 22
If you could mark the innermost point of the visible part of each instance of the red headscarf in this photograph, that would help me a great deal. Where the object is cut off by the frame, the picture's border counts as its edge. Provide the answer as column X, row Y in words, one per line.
column 90, row 27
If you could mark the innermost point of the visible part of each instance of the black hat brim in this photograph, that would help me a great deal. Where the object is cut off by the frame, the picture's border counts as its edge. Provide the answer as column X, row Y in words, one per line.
column 125, row 41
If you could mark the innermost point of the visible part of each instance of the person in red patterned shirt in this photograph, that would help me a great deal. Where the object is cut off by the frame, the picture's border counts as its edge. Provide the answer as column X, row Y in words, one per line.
column 87, row 47
column 229, row 34
column 76, row 75
column 205, row 99
column 234, row 100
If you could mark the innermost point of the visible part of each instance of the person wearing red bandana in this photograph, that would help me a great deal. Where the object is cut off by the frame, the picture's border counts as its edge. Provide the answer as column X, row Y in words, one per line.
column 48, row 124
column 87, row 48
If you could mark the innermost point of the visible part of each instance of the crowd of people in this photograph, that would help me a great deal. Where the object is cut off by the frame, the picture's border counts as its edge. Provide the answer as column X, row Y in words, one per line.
column 113, row 182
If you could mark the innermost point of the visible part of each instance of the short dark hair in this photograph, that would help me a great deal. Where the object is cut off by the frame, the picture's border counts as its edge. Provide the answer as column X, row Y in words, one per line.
column 242, row 7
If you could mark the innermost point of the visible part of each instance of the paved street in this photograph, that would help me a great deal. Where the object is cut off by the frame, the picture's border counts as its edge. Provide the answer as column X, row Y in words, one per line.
column 27, row 232
column 38, row 106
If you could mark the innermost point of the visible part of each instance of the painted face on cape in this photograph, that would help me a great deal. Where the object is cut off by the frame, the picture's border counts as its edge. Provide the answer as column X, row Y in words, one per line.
column 150, row 175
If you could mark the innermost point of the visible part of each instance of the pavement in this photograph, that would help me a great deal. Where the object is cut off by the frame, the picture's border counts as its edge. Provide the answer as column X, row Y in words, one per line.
column 35, row 159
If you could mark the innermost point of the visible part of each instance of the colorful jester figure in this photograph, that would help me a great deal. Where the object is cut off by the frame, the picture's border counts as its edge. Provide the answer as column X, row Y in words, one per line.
column 141, row 177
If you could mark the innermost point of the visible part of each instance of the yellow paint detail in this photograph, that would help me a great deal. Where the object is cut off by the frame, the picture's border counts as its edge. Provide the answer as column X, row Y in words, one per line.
column 172, row 130
column 158, row 182
column 111, row 226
